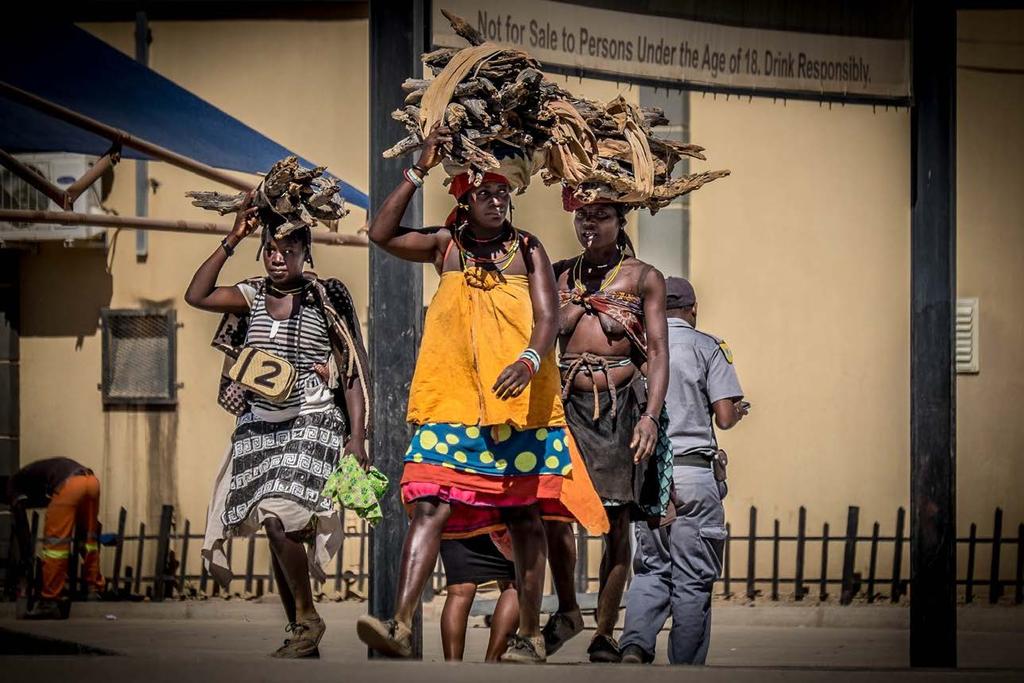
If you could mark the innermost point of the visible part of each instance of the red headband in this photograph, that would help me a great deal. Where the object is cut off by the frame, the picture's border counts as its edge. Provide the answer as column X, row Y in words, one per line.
column 570, row 202
column 461, row 184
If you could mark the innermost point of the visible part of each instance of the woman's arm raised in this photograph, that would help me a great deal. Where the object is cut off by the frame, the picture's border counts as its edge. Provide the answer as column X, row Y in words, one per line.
column 203, row 292
column 422, row 246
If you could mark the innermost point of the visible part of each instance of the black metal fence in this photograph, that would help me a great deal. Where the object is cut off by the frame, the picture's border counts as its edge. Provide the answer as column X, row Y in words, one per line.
column 173, row 552
column 174, row 546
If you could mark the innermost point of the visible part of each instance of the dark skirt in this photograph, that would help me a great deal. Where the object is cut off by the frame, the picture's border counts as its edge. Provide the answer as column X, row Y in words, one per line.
column 475, row 560
column 604, row 445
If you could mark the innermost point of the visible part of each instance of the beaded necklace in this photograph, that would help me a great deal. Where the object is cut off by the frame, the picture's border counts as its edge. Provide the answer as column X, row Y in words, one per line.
column 294, row 290
column 499, row 262
column 477, row 240
column 577, row 275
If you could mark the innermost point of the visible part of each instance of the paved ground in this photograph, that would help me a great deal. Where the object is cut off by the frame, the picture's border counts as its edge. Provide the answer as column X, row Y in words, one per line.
column 217, row 640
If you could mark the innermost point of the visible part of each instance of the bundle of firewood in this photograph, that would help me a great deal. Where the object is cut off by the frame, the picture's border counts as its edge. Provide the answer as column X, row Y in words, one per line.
column 632, row 165
column 491, row 98
column 494, row 98
column 300, row 196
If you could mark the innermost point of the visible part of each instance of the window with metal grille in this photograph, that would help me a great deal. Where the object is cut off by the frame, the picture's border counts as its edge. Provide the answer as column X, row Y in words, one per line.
column 139, row 357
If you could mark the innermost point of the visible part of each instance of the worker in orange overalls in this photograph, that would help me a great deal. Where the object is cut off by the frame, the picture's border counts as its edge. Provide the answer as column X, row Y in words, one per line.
column 70, row 492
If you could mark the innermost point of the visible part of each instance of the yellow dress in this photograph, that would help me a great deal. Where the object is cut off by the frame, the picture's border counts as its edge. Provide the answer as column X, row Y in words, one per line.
column 475, row 327
column 477, row 324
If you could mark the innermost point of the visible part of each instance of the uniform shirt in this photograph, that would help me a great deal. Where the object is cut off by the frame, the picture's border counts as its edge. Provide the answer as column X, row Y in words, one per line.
column 36, row 482
column 700, row 373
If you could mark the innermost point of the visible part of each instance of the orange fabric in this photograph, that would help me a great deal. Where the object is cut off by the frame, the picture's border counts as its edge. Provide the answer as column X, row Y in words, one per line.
column 475, row 327
column 579, row 496
column 468, row 519
column 538, row 486
column 573, row 490
column 75, row 504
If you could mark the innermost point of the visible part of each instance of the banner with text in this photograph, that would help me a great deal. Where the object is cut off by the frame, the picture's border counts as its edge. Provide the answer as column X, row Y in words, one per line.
column 678, row 50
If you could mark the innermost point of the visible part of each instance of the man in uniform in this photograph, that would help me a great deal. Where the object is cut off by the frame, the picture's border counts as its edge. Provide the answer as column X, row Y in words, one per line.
column 677, row 562
column 70, row 492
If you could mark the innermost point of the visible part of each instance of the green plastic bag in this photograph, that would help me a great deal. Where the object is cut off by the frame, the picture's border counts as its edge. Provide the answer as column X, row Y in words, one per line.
column 352, row 487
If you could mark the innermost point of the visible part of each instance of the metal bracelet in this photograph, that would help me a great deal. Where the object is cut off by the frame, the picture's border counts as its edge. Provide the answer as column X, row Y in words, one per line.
column 413, row 178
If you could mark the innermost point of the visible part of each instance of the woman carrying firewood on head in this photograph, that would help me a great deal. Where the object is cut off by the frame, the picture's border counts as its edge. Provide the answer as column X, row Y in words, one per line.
column 490, row 450
column 298, row 386
column 613, row 339
column 612, row 328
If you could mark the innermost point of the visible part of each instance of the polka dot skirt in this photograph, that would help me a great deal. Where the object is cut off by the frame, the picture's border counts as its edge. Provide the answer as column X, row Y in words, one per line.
column 497, row 450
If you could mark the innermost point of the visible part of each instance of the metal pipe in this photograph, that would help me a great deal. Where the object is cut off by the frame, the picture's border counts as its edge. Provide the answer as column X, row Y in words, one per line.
column 26, row 173
column 136, row 223
column 101, row 166
column 143, row 37
column 116, row 135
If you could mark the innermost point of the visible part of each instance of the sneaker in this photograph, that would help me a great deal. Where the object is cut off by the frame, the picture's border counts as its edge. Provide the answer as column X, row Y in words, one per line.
column 560, row 629
column 634, row 654
column 604, row 650
column 305, row 640
column 525, row 650
column 45, row 610
column 391, row 638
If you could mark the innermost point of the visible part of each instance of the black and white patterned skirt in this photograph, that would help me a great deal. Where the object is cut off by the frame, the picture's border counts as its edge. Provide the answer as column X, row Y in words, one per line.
column 290, row 459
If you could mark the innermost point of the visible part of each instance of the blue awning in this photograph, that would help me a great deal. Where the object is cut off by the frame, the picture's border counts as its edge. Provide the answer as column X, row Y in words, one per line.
column 68, row 66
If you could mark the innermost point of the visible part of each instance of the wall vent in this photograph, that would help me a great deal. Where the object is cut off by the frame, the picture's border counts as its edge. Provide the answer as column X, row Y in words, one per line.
column 967, row 335
column 139, row 357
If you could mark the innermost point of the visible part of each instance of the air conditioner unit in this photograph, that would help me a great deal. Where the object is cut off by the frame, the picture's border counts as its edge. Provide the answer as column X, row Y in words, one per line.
column 61, row 169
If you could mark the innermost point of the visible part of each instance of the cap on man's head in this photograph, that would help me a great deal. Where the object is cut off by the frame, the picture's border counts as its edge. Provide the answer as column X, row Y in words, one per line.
column 679, row 293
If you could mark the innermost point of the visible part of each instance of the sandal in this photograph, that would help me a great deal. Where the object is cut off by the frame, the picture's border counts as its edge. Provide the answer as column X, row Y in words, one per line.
column 391, row 638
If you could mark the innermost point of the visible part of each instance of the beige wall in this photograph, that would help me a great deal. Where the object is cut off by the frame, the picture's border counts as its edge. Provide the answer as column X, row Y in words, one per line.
column 800, row 260
column 990, row 266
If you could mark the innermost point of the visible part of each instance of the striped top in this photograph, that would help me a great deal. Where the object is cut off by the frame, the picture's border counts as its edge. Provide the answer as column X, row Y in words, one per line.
column 302, row 340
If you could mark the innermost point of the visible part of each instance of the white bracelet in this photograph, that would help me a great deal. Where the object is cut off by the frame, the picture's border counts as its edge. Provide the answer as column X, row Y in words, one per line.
column 531, row 357
column 413, row 178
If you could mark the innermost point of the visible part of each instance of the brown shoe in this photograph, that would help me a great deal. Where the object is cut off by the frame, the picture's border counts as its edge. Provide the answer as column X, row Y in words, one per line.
column 305, row 640
column 525, row 650
column 391, row 638
column 560, row 629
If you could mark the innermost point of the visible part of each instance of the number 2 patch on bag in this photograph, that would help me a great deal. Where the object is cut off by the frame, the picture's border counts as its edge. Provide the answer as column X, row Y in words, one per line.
column 264, row 373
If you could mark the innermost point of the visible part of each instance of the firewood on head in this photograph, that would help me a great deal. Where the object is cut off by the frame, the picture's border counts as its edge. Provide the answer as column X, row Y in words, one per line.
column 299, row 195
column 463, row 28
column 497, row 99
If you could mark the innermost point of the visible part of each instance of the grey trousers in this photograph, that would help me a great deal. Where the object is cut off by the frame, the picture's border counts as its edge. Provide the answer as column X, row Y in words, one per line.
column 675, row 569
